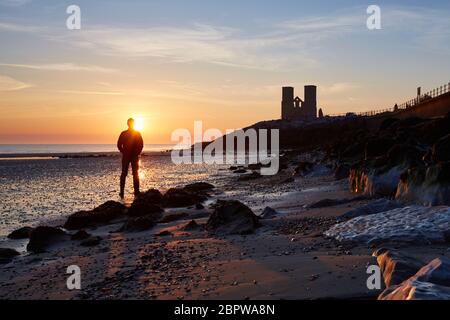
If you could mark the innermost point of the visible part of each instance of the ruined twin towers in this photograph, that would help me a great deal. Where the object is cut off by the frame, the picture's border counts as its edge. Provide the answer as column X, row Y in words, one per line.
column 297, row 109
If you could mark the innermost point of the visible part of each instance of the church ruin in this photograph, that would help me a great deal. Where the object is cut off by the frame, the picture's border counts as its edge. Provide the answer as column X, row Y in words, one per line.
column 295, row 108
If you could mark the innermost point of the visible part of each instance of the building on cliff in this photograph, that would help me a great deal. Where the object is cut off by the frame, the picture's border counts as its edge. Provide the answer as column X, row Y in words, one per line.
column 297, row 109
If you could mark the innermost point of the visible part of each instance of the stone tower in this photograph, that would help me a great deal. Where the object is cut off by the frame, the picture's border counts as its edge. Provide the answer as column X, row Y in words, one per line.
column 287, row 103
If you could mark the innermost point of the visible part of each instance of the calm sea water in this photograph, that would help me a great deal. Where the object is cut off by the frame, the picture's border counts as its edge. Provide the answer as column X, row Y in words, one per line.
column 35, row 190
column 7, row 149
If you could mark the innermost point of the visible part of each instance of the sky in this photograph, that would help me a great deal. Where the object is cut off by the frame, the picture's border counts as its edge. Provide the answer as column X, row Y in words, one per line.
column 172, row 62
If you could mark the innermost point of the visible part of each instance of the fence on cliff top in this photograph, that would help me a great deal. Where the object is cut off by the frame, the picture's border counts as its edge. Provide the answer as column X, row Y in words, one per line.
column 439, row 91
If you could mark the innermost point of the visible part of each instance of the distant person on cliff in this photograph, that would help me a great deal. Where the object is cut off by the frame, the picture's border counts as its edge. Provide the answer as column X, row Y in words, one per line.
column 130, row 144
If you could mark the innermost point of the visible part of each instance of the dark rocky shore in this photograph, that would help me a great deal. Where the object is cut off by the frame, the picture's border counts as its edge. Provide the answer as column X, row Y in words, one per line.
column 383, row 190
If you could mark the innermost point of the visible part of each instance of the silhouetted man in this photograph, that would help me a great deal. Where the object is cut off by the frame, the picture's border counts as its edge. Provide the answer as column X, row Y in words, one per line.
column 130, row 144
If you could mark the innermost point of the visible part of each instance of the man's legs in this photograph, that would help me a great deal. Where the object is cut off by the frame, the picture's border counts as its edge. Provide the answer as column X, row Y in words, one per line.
column 135, row 169
column 123, row 176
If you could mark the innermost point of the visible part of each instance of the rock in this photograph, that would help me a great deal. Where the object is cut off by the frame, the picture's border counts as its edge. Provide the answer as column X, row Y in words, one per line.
column 198, row 187
column 379, row 205
column 432, row 282
column 232, row 217
column 303, row 168
column 251, row 176
column 377, row 147
column 7, row 254
column 199, row 206
column 412, row 224
column 441, row 149
column 334, row 202
column 190, row 226
column 164, row 233
column 426, row 186
column 80, row 235
column 42, row 237
column 22, row 233
column 103, row 214
column 173, row 217
column 91, row 241
column 176, row 198
column 288, row 180
column 395, row 266
column 375, row 183
column 269, row 213
column 240, row 171
column 141, row 207
column 138, row 224
column 151, row 196
column 341, row 172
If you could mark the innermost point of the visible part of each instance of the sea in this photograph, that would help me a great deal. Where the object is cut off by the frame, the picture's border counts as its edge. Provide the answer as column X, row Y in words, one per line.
column 43, row 183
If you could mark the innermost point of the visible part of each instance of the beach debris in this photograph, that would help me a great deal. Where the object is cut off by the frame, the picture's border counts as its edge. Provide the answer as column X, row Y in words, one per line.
column 232, row 217
column 7, row 254
column 395, row 266
column 412, row 224
column 91, row 241
column 80, row 235
column 42, row 237
column 268, row 213
column 376, row 206
column 138, row 224
column 432, row 282
column 103, row 214
column 22, row 233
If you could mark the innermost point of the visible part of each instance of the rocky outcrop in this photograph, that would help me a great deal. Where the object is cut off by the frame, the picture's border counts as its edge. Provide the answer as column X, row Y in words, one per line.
column 91, row 241
column 232, row 217
column 191, row 226
column 137, row 224
column 141, row 207
column 177, row 198
column 303, row 168
column 413, row 224
column 80, row 235
column 7, row 254
column 199, row 187
column 43, row 237
column 432, row 282
column 395, row 266
column 269, row 213
column 427, row 186
column 173, row 217
column 22, row 233
column 376, row 206
column 103, row 214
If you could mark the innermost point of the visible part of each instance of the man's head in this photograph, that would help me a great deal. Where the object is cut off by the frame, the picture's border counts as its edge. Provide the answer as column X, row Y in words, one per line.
column 130, row 123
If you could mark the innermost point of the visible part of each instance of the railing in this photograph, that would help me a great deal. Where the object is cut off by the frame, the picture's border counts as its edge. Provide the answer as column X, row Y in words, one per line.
column 406, row 105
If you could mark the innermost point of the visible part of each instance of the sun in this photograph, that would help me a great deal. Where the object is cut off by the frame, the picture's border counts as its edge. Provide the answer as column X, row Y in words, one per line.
column 139, row 123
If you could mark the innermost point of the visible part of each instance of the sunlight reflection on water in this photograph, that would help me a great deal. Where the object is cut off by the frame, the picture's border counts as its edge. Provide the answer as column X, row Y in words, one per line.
column 35, row 190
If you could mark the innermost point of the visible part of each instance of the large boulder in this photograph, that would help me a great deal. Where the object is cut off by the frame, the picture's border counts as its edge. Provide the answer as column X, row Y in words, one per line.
column 42, row 237
column 395, row 266
column 232, row 217
column 151, row 196
column 432, row 282
column 7, row 254
column 22, row 233
column 103, row 214
column 177, row 198
column 140, row 207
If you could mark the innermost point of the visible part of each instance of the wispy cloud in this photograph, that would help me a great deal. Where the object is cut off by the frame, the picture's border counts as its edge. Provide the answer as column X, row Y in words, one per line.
column 60, row 67
column 17, row 27
column 10, row 84
column 106, row 93
column 14, row 3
